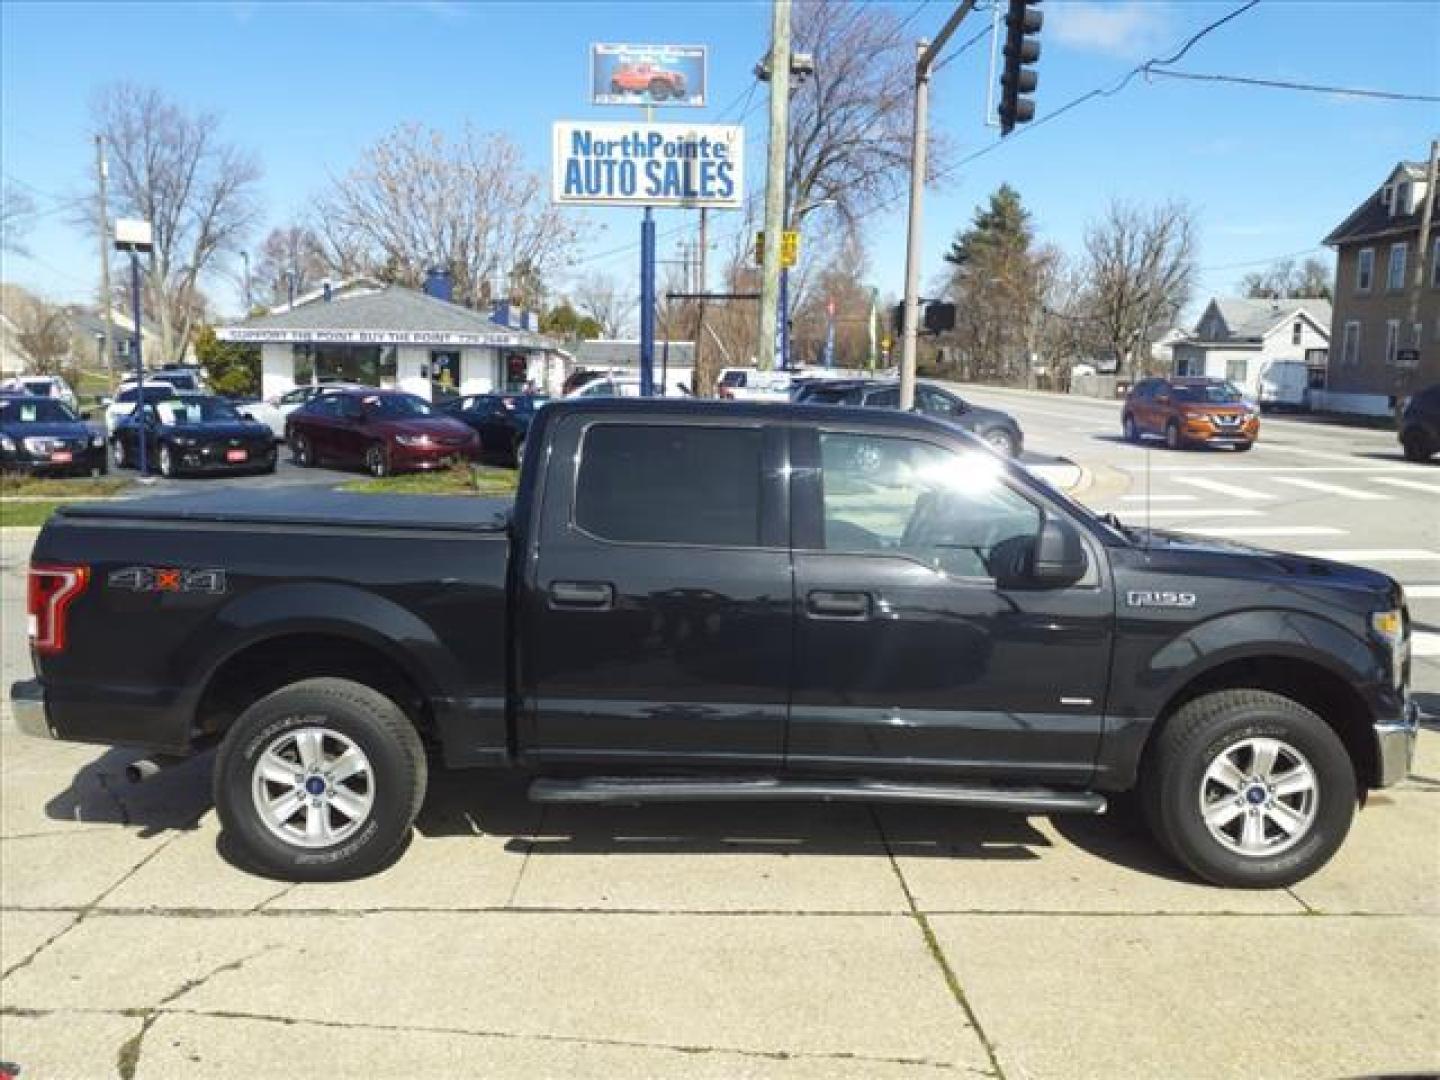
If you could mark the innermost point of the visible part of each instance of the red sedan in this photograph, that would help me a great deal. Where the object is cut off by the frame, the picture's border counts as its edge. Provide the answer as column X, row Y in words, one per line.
column 383, row 430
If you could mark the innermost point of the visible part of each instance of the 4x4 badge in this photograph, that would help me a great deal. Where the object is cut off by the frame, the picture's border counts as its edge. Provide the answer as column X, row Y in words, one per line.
column 160, row 579
column 1160, row 598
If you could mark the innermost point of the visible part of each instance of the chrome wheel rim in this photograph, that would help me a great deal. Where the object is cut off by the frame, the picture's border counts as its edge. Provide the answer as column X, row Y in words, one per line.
column 375, row 459
column 1259, row 797
column 313, row 787
column 117, row 452
column 302, row 450
column 167, row 464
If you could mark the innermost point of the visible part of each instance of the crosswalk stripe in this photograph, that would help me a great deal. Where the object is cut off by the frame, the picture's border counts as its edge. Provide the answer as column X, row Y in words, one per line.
column 1235, row 491
column 1357, row 555
column 1413, row 485
column 1239, row 531
column 1196, row 512
column 1329, row 489
column 1422, row 592
column 1425, row 643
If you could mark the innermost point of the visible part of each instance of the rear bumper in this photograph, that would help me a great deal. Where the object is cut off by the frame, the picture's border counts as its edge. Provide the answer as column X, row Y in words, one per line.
column 27, row 705
column 1395, row 746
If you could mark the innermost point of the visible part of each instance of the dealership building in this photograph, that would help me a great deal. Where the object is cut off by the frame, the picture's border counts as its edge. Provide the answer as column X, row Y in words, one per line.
column 392, row 337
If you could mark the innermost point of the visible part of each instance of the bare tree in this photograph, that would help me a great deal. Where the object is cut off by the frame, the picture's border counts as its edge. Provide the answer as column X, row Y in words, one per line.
column 849, row 139
column 172, row 168
column 291, row 261
column 42, row 329
column 16, row 208
column 417, row 201
column 1285, row 279
column 600, row 297
column 1139, row 272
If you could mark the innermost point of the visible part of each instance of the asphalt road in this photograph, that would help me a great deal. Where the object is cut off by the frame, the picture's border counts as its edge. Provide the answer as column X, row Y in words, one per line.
column 1344, row 493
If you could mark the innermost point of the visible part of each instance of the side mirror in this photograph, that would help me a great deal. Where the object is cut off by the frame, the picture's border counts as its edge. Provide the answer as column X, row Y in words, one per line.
column 1059, row 554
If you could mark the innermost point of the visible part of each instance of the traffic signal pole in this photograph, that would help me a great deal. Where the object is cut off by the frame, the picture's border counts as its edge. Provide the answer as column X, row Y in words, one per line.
column 919, row 138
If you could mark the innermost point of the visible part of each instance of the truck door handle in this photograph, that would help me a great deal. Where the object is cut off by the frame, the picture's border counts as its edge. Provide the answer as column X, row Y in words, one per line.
column 581, row 594
column 839, row 605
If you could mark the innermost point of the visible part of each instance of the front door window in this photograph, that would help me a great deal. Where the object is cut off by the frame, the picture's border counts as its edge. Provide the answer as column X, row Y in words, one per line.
column 444, row 374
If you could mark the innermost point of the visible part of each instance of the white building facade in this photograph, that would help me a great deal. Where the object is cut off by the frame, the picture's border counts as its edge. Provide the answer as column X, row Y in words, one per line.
column 1237, row 339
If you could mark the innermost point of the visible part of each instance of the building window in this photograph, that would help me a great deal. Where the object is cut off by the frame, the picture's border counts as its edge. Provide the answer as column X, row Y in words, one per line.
column 1237, row 369
column 1435, row 264
column 1387, row 197
column 1392, row 339
column 1350, row 348
column 1395, row 275
column 1417, row 334
column 1296, row 332
column 1402, row 198
column 1364, row 269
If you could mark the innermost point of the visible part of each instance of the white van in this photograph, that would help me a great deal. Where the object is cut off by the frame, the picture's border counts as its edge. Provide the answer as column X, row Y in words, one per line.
column 1282, row 384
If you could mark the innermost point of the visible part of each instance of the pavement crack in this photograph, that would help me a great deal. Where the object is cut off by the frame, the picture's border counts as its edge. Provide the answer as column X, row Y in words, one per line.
column 263, row 904
column 525, row 862
column 932, row 943
column 30, row 958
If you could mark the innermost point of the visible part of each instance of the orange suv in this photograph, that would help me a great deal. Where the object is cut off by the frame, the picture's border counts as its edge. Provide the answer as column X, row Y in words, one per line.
column 1191, row 412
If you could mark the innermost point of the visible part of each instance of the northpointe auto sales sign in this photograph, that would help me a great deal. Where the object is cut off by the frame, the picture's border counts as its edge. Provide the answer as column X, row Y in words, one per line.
column 647, row 164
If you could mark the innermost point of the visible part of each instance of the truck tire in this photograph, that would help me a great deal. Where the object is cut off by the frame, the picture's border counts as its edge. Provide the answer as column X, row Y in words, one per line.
column 1173, row 439
column 1415, row 448
column 1249, row 789
column 320, row 781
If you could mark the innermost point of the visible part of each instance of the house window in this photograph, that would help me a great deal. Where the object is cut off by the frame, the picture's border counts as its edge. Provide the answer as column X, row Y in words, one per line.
column 1237, row 369
column 1392, row 339
column 1387, row 197
column 1296, row 331
column 1417, row 333
column 1435, row 264
column 1395, row 275
column 1350, row 349
column 1365, row 270
column 1402, row 199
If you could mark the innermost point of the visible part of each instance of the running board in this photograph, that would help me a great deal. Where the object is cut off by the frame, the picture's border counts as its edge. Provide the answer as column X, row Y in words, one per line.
column 630, row 790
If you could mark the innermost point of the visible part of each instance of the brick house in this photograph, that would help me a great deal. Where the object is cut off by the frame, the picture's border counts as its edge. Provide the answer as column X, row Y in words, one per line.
column 1376, row 248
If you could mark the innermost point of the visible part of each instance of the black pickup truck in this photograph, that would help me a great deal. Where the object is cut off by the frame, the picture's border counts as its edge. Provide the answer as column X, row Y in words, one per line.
column 706, row 601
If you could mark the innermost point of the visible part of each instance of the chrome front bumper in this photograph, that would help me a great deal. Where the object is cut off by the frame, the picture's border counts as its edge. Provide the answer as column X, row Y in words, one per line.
column 27, row 703
column 1395, row 747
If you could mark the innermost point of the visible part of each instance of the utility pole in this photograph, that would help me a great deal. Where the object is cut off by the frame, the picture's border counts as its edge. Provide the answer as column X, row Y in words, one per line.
column 702, row 282
column 775, row 181
column 919, row 139
column 105, row 299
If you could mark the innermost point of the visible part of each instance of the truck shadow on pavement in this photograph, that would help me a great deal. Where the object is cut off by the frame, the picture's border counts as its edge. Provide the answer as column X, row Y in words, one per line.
column 98, row 793
column 470, row 803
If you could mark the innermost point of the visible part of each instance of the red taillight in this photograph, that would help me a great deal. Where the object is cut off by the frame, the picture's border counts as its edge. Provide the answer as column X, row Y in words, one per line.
column 53, row 588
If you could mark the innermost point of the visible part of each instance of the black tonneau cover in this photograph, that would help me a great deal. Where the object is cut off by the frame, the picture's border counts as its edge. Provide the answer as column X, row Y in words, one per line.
column 307, row 506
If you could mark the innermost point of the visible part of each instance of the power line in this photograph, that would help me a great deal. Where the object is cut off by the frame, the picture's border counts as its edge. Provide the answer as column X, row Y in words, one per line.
column 1280, row 84
column 1260, row 262
column 961, row 49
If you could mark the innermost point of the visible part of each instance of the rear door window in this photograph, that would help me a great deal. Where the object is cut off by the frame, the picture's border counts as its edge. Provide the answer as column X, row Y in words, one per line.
column 663, row 484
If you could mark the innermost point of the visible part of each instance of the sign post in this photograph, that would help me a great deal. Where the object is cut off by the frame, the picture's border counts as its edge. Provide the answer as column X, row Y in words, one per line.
column 136, row 236
column 647, row 304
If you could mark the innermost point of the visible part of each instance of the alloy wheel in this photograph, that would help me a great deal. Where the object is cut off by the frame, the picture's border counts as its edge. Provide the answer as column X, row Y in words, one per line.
column 313, row 787
column 1259, row 797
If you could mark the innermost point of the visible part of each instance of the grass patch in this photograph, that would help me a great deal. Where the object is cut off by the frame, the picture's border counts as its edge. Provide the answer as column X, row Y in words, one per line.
column 20, row 514
column 461, row 480
column 55, row 487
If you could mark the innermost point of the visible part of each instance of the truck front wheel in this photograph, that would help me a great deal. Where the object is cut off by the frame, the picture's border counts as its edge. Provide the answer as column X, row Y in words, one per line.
column 1249, row 789
column 320, row 781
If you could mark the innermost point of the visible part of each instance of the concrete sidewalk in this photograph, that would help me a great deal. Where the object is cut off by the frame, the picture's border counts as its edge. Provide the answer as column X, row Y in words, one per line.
column 758, row 941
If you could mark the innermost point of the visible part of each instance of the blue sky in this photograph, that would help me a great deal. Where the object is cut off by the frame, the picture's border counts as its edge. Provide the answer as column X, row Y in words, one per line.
column 307, row 86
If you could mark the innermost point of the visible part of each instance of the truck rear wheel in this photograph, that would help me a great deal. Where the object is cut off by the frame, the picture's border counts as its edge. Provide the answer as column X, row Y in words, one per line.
column 320, row 781
column 1249, row 789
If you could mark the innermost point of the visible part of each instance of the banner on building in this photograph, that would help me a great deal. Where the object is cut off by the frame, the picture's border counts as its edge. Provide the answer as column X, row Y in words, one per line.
column 647, row 75
column 610, row 163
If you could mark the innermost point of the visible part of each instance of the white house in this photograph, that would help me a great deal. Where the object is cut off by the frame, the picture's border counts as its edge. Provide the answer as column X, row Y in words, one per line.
column 392, row 337
column 1236, row 339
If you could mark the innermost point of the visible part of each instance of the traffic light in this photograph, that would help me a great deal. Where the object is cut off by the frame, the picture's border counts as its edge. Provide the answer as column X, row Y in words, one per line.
column 1022, row 48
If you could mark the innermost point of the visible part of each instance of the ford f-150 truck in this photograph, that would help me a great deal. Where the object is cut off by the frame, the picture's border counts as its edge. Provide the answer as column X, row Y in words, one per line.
column 718, row 601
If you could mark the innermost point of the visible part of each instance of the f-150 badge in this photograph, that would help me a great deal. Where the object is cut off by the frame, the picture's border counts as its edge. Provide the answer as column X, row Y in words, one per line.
column 160, row 579
column 1160, row 598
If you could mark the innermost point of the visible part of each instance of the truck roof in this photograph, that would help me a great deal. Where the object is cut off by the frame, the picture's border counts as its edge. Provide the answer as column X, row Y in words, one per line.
column 697, row 409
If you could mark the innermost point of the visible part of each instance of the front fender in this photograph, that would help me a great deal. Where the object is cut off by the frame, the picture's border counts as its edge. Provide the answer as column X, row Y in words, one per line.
column 338, row 610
